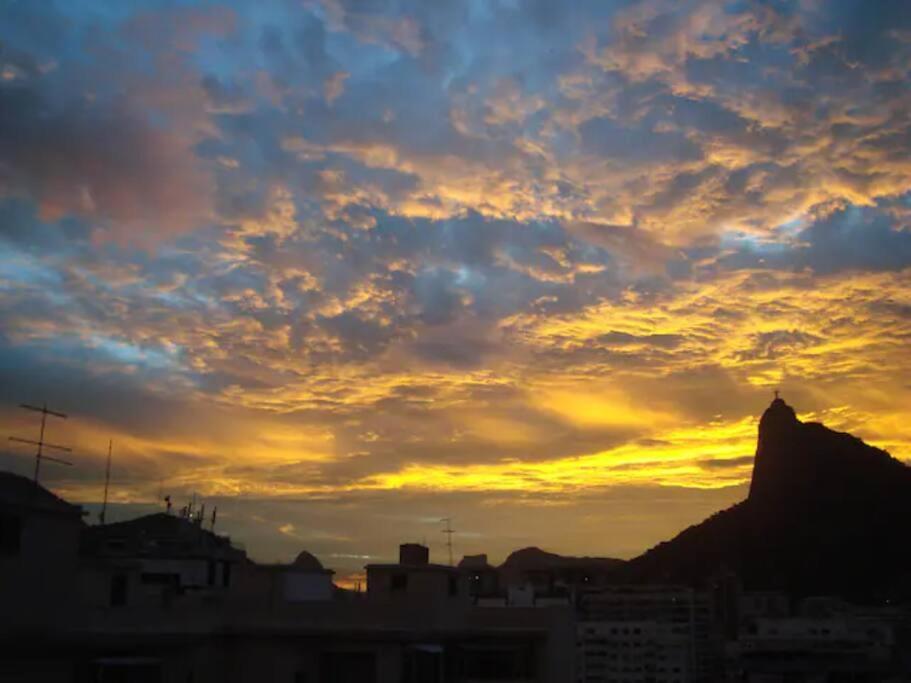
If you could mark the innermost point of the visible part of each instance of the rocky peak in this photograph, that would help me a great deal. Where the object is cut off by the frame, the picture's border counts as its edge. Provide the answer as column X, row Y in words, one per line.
column 825, row 515
column 779, row 415
column 776, row 461
column 807, row 463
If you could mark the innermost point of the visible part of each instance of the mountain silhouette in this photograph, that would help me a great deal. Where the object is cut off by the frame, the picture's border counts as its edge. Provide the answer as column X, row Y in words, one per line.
column 532, row 558
column 826, row 514
column 547, row 570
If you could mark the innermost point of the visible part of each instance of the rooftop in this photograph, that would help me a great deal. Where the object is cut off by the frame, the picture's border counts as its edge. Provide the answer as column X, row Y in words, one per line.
column 20, row 491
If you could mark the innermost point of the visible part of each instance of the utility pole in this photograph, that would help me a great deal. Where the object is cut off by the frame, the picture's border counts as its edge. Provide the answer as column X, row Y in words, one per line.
column 449, row 531
column 107, row 482
column 41, row 443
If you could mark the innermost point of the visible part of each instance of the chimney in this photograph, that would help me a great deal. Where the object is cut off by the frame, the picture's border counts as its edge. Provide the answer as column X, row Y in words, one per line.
column 413, row 553
column 474, row 561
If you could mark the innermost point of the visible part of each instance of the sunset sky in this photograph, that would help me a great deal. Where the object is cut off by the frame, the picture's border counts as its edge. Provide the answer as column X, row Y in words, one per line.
column 346, row 267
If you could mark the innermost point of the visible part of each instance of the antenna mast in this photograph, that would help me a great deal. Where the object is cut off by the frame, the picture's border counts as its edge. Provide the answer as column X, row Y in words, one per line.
column 107, row 482
column 449, row 531
column 41, row 443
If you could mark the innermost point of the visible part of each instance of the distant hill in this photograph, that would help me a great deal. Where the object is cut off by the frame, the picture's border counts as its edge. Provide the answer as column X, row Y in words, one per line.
column 535, row 558
column 826, row 514
column 529, row 561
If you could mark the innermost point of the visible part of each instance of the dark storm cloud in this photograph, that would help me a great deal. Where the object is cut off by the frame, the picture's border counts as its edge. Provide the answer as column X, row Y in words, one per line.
column 853, row 238
column 626, row 339
column 606, row 138
column 771, row 345
column 727, row 463
column 78, row 159
column 88, row 131
column 857, row 238
column 30, row 375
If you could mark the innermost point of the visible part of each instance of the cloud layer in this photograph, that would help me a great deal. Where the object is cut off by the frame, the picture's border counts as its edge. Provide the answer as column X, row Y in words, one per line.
column 342, row 260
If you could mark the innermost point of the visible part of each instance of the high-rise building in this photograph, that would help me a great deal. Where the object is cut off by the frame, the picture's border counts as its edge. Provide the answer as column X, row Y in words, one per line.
column 645, row 634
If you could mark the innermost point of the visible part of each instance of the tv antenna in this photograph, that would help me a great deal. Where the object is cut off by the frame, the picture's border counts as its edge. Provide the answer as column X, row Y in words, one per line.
column 107, row 482
column 449, row 531
column 41, row 443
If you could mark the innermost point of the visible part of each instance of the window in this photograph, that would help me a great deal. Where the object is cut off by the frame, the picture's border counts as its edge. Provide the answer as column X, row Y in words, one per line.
column 117, row 669
column 453, row 586
column 398, row 582
column 226, row 574
column 423, row 665
column 118, row 590
column 211, row 573
column 117, row 543
column 159, row 578
column 496, row 665
column 10, row 535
